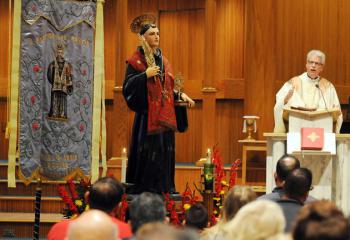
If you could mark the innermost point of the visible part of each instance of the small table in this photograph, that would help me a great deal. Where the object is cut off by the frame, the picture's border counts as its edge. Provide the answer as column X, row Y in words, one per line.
column 250, row 146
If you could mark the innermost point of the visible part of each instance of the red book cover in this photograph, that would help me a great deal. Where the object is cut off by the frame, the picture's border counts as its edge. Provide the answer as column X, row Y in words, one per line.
column 312, row 138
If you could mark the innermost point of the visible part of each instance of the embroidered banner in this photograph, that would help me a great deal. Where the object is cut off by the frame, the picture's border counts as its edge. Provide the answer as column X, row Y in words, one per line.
column 56, row 88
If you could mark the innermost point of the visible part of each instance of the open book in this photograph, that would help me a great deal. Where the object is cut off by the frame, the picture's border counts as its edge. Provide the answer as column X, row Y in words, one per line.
column 304, row 109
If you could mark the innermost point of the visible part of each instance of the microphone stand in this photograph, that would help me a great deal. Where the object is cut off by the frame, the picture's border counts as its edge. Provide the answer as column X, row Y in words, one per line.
column 317, row 85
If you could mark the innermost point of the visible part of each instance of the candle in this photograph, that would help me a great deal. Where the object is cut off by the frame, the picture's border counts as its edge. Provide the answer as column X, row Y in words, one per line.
column 208, row 156
column 124, row 160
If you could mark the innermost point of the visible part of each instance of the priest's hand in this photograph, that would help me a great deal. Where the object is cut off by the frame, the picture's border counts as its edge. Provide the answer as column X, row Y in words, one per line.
column 288, row 96
column 152, row 71
column 186, row 98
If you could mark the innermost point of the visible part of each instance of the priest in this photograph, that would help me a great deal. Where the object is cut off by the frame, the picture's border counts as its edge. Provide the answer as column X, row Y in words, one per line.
column 308, row 90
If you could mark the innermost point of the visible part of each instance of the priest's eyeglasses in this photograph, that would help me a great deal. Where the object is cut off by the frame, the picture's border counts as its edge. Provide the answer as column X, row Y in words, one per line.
column 313, row 62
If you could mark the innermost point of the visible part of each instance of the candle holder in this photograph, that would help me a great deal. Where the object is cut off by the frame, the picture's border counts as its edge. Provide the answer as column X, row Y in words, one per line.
column 249, row 126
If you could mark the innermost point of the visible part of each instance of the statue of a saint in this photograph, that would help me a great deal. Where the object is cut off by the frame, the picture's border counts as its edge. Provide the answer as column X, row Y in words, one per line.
column 59, row 74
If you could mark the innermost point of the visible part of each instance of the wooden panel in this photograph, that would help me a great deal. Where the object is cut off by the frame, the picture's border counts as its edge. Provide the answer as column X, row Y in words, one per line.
column 181, row 35
column 229, row 39
column 5, row 49
column 188, row 144
column 166, row 5
column 229, row 128
column 325, row 28
column 260, row 70
column 231, row 88
column 110, row 29
column 3, row 121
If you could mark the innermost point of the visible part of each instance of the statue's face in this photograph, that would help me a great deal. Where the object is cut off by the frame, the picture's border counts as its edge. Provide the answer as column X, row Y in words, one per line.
column 314, row 66
column 152, row 37
column 60, row 53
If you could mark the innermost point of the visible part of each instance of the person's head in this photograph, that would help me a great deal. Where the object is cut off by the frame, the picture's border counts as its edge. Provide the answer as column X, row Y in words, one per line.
column 146, row 208
column 60, row 51
column 260, row 219
column 156, row 231
column 196, row 217
column 151, row 34
column 237, row 197
column 315, row 61
column 321, row 220
column 298, row 184
column 91, row 225
column 285, row 165
column 105, row 194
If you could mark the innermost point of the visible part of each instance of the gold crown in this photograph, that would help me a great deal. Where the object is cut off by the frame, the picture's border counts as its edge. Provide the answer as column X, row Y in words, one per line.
column 140, row 21
column 60, row 46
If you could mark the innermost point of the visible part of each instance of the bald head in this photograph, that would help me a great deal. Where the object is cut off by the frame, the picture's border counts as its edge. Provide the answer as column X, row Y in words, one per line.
column 285, row 165
column 93, row 224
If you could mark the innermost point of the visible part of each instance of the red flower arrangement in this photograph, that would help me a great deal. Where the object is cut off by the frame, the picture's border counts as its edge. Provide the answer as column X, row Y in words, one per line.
column 74, row 198
column 233, row 172
column 220, row 182
column 171, row 208
column 123, row 208
column 188, row 199
column 219, row 172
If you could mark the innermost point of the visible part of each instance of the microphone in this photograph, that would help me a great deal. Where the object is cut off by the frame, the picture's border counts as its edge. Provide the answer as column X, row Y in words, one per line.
column 324, row 100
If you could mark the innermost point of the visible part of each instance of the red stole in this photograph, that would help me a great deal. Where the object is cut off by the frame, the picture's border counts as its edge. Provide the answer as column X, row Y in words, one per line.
column 161, row 112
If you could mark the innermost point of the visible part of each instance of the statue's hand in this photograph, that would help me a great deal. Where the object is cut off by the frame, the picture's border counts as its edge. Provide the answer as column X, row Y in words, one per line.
column 152, row 71
column 186, row 98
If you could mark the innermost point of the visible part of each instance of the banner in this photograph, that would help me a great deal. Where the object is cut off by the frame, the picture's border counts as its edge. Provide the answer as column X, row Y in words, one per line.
column 56, row 89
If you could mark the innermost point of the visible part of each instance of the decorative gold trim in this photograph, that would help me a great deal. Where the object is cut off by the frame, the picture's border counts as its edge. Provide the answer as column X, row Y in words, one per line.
column 36, row 174
column 118, row 88
column 209, row 90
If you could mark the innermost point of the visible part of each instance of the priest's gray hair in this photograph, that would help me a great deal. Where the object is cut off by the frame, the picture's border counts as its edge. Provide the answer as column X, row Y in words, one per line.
column 316, row 53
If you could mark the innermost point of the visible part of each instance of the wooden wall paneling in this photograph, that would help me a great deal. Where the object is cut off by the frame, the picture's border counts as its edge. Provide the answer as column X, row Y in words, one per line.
column 188, row 5
column 5, row 50
column 181, row 39
column 3, row 121
column 174, row 5
column 188, row 144
column 209, row 135
column 260, row 62
column 229, row 43
column 229, row 129
column 166, row 5
column 120, row 125
column 110, row 35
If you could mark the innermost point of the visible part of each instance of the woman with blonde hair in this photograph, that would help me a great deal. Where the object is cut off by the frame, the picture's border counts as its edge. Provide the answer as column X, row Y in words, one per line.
column 258, row 220
column 236, row 198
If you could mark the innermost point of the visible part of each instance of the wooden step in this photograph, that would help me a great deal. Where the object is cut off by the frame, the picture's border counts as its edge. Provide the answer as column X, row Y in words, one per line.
column 49, row 188
column 21, row 217
column 20, row 225
column 27, row 204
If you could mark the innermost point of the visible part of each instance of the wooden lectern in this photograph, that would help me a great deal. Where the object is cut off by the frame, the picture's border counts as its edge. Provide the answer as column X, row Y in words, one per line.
column 320, row 118
column 298, row 119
